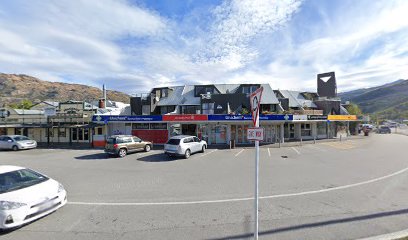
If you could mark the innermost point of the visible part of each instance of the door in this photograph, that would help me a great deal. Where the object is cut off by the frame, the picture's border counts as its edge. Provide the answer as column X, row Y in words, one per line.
column 137, row 143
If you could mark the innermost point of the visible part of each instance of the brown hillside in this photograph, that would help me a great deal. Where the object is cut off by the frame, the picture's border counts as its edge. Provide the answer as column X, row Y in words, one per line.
column 14, row 88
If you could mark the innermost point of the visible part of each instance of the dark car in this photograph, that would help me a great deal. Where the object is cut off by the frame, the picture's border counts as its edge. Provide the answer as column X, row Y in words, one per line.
column 120, row 145
column 384, row 129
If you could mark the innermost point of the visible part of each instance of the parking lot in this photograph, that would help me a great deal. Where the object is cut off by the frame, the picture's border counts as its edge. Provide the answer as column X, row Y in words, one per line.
column 328, row 190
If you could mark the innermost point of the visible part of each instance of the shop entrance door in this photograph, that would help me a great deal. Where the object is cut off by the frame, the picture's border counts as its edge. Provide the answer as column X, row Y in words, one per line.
column 189, row 129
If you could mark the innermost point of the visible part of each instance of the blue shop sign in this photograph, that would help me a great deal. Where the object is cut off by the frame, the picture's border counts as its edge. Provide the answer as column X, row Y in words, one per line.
column 225, row 117
column 108, row 118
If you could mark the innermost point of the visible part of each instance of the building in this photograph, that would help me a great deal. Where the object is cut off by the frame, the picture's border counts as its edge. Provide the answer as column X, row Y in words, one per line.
column 219, row 113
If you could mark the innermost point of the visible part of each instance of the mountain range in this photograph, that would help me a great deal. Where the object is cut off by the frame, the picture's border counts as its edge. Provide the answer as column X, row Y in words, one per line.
column 388, row 101
column 14, row 88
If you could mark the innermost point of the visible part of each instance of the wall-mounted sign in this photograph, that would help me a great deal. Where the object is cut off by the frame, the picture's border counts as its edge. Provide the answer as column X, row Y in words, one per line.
column 108, row 118
column 317, row 117
column 219, row 107
column 342, row 117
column 225, row 117
column 299, row 117
column 185, row 117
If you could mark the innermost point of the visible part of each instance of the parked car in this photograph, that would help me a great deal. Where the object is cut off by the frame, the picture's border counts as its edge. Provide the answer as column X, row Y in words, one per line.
column 384, row 129
column 26, row 195
column 16, row 142
column 121, row 145
column 184, row 145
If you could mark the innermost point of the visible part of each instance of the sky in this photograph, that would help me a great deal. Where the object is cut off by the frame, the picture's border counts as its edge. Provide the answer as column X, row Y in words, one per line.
column 135, row 45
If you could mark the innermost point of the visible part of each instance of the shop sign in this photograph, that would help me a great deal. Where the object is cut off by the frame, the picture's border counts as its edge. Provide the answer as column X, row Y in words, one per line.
column 255, row 134
column 185, row 117
column 316, row 117
column 299, row 117
column 108, row 118
column 342, row 117
column 274, row 117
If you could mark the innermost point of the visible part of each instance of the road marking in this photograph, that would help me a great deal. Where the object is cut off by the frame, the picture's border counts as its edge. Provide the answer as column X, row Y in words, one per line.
column 316, row 148
column 205, row 154
column 239, row 152
column 242, row 199
column 297, row 151
column 269, row 152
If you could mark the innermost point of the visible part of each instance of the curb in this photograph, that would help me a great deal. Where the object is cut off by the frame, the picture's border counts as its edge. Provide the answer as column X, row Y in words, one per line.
column 389, row 236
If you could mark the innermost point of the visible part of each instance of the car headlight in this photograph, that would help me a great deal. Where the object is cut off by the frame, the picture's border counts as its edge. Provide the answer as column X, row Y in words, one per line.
column 6, row 205
column 60, row 188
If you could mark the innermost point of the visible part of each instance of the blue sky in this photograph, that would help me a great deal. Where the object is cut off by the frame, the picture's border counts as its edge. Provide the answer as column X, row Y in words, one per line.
column 135, row 45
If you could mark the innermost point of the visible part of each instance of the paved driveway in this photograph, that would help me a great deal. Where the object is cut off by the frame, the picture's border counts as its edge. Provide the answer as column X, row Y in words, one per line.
column 330, row 190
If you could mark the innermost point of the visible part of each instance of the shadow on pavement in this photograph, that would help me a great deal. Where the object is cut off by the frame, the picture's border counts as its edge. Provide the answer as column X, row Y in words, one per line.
column 157, row 157
column 318, row 224
column 94, row 156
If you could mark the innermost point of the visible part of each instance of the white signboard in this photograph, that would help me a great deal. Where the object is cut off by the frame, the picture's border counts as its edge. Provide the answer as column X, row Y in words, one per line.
column 255, row 134
column 255, row 100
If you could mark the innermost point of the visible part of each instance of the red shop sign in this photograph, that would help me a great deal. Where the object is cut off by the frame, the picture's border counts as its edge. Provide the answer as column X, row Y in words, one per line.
column 185, row 117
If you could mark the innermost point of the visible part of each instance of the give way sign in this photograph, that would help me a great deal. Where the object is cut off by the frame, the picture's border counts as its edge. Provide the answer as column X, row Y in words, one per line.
column 255, row 100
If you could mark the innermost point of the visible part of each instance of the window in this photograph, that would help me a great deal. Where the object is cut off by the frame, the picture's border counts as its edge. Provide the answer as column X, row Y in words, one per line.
column 249, row 89
column 86, row 134
column 61, row 132
column 99, row 131
column 190, row 109
column 188, row 140
column 140, row 126
column 158, row 125
column 208, row 108
column 126, row 140
column 306, row 129
column 145, row 110
column 164, row 93
column 174, row 141
column 203, row 90
column 196, row 139
column 166, row 109
column 21, row 138
column 11, row 181
column 136, row 139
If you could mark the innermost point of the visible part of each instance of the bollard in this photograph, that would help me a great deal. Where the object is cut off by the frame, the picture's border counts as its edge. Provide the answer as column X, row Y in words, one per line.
column 314, row 140
column 279, row 143
column 340, row 137
column 301, row 141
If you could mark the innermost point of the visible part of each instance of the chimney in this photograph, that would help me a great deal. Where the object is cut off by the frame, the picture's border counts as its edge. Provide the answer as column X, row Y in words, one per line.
column 104, row 93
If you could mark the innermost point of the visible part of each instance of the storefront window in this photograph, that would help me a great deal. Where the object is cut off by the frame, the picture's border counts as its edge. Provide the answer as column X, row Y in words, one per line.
column 140, row 126
column 158, row 125
column 175, row 129
column 321, row 128
column 306, row 129
column 202, row 132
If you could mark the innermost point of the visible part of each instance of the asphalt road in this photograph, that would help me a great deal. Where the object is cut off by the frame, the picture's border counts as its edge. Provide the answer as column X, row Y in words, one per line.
column 330, row 190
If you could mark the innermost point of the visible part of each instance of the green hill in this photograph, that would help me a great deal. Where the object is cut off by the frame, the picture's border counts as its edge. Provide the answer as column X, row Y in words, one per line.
column 389, row 101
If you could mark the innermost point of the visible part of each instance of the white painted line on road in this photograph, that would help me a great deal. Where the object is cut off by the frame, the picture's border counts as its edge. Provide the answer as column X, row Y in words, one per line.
column 205, row 154
column 239, row 152
column 241, row 199
column 394, row 235
column 269, row 152
column 297, row 151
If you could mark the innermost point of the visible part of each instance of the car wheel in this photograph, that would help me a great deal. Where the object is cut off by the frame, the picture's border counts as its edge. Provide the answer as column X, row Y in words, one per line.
column 203, row 149
column 147, row 148
column 122, row 152
column 14, row 148
column 187, row 154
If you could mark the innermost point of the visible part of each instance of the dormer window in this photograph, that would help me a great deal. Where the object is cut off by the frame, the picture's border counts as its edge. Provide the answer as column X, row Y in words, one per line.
column 204, row 90
column 164, row 92
column 249, row 89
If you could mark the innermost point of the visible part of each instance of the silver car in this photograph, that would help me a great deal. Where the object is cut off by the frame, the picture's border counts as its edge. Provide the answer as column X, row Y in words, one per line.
column 16, row 142
column 183, row 145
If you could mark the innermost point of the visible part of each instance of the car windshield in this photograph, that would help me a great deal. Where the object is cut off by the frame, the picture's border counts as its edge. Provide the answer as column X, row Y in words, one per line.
column 19, row 179
column 21, row 138
column 174, row 142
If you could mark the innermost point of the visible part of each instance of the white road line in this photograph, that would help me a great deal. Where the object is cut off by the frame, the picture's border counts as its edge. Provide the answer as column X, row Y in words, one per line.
column 205, row 154
column 269, row 152
column 316, row 148
column 239, row 152
column 294, row 149
column 242, row 199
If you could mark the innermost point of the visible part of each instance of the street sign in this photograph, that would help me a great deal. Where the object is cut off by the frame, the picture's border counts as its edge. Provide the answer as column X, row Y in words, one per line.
column 255, row 100
column 255, row 134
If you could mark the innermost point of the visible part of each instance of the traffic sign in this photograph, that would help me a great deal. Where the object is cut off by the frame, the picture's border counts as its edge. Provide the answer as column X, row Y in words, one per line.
column 255, row 100
column 255, row 134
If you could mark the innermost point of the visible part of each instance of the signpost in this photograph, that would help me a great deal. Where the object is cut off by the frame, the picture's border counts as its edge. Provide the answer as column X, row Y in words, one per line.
column 256, row 134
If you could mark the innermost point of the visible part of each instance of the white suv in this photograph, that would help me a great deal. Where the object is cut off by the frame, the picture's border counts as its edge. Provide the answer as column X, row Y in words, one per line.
column 183, row 145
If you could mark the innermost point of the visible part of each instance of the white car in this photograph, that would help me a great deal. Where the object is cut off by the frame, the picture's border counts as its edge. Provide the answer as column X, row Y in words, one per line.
column 16, row 142
column 184, row 145
column 26, row 195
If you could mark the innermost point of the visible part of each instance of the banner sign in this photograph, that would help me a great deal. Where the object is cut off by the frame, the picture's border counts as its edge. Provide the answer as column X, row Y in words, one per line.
column 299, row 117
column 108, row 118
column 317, row 117
column 225, row 117
column 185, row 117
column 342, row 117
